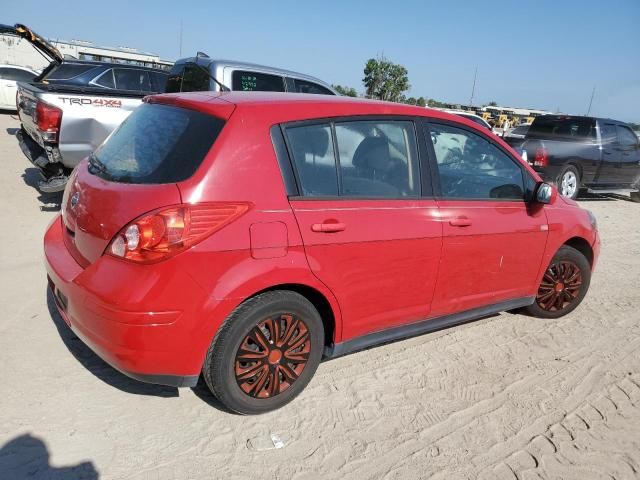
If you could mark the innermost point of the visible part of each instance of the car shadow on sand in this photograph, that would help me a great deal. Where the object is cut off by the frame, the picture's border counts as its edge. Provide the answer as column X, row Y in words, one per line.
column 203, row 393
column 50, row 201
column 27, row 456
column 98, row 367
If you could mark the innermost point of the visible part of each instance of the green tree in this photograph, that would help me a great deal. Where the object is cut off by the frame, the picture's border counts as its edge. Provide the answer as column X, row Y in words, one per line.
column 346, row 91
column 411, row 101
column 385, row 80
column 635, row 126
column 435, row 103
column 421, row 102
column 493, row 103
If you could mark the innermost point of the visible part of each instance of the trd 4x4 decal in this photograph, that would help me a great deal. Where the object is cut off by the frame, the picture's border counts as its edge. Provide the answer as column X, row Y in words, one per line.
column 98, row 102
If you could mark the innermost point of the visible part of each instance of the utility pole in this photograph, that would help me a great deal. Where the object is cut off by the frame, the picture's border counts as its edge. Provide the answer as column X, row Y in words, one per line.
column 593, row 92
column 180, row 38
column 473, row 88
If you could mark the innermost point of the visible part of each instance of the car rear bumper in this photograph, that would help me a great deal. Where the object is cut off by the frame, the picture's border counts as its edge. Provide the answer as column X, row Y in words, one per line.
column 133, row 330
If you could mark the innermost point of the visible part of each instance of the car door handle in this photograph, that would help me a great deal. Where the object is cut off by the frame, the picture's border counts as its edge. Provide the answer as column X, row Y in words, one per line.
column 328, row 227
column 460, row 222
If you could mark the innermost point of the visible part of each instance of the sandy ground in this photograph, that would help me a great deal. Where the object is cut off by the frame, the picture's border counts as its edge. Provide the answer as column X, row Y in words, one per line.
column 509, row 397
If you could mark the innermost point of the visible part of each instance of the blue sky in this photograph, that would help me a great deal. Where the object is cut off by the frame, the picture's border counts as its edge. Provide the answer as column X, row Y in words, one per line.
column 538, row 54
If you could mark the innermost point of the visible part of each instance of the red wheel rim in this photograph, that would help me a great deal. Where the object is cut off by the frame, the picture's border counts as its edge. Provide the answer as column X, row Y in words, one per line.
column 560, row 286
column 272, row 356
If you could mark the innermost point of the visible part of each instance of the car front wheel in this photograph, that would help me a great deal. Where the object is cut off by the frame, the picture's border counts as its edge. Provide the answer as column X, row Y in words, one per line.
column 265, row 353
column 563, row 286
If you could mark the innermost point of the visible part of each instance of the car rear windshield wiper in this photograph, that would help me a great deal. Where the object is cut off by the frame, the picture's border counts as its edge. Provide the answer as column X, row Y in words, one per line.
column 222, row 86
column 96, row 165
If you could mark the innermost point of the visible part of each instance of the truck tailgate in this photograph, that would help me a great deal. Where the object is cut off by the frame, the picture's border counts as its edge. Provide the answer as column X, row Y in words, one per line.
column 87, row 118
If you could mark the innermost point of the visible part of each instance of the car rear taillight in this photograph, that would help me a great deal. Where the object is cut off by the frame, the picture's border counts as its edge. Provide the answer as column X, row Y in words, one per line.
column 542, row 157
column 48, row 119
column 165, row 232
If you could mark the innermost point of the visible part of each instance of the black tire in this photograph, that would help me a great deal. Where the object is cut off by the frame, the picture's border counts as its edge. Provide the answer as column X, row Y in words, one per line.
column 246, row 323
column 565, row 256
column 571, row 173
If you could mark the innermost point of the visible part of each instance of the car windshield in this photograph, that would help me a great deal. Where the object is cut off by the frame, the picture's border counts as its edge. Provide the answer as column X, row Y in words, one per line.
column 156, row 144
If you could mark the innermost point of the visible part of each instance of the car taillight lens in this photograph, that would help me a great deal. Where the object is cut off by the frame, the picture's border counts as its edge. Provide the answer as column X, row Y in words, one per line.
column 542, row 158
column 48, row 119
column 163, row 233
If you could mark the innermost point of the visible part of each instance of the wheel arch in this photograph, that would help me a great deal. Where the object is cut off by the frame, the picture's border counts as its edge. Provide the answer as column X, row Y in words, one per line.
column 317, row 299
column 582, row 246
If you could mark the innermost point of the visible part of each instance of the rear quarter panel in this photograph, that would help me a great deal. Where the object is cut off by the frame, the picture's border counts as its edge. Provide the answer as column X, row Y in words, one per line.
column 242, row 167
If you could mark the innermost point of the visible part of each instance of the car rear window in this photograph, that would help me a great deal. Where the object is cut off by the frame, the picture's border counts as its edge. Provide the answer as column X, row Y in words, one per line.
column 156, row 144
column 67, row 71
column 256, row 82
column 563, row 129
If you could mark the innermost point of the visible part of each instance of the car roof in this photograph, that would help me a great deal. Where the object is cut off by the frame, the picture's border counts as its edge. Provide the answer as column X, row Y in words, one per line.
column 288, row 107
column 219, row 62
column 110, row 64
column 582, row 117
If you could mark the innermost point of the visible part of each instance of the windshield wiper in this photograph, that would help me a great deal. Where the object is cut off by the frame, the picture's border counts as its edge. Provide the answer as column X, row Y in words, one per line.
column 222, row 86
column 96, row 165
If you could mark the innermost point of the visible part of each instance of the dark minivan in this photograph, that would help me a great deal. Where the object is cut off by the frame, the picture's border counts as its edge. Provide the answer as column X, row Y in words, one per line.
column 583, row 152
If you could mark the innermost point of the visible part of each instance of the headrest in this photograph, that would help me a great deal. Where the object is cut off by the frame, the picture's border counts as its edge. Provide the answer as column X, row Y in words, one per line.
column 373, row 153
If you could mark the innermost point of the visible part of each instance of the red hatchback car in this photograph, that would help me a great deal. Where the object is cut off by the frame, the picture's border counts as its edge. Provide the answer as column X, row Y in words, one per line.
column 246, row 236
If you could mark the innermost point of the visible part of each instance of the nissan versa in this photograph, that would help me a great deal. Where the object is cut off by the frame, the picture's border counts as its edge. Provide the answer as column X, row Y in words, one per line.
column 246, row 236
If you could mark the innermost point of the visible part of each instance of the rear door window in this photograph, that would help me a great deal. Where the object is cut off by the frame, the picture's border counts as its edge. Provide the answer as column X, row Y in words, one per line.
column 376, row 159
column 106, row 80
column 132, row 79
column 156, row 144
column 608, row 135
column 304, row 86
column 626, row 137
column 248, row 81
column 68, row 71
column 560, row 128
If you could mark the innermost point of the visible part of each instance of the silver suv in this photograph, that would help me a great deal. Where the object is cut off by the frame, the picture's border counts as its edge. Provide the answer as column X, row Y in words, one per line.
column 201, row 73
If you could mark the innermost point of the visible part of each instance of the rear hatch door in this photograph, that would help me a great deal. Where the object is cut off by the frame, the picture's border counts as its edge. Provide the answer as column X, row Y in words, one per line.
column 94, row 210
column 42, row 45
column 134, row 172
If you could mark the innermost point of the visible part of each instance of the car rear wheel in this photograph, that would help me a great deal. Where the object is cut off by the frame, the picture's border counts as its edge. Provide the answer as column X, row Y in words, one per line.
column 563, row 286
column 265, row 353
column 569, row 182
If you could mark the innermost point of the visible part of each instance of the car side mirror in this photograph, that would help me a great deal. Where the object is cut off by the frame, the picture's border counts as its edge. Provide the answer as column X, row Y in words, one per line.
column 544, row 193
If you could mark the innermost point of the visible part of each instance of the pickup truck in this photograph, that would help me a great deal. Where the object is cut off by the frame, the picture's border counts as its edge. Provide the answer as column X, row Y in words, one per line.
column 574, row 152
column 73, row 106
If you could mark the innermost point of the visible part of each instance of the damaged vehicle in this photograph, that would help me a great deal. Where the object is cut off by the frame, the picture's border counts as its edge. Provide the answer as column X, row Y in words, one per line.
column 72, row 106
